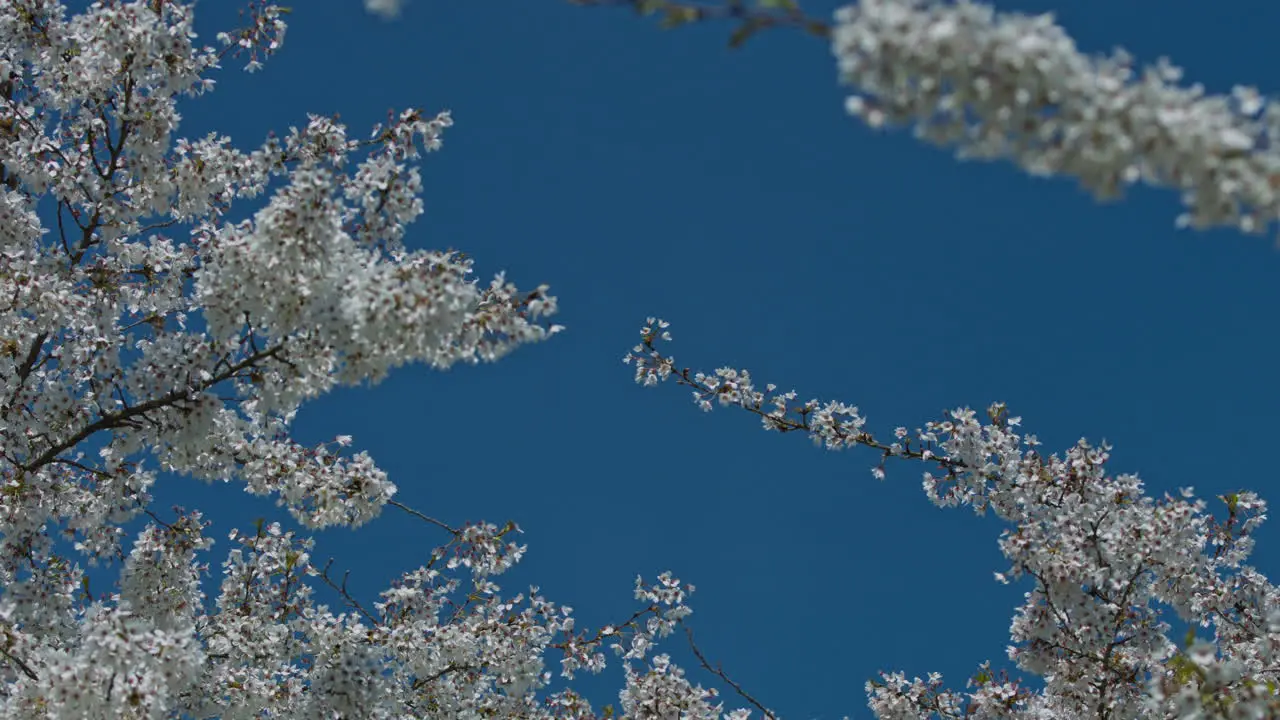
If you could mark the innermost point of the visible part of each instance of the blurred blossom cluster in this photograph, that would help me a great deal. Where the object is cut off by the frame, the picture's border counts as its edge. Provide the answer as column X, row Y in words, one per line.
column 387, row 9
column 1014, row 87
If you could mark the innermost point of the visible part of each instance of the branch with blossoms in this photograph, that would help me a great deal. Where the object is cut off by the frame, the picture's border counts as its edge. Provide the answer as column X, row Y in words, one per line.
column 833, row 424
column 262, row 36
column 836, row 425
column 1014, row 87
column 632, row 639
column 1094, row 544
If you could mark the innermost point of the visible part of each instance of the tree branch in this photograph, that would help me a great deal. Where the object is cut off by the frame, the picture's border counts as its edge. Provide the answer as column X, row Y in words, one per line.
column 125, row 416
column 720, row 673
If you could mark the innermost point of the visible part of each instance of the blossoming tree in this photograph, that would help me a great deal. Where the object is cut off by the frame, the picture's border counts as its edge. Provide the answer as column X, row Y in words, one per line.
column 147, row 329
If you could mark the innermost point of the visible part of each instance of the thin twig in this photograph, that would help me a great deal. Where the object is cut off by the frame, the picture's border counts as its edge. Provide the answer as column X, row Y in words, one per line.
column 718, row 672
column 346, row 595
column 421, row 516
column 750, row 20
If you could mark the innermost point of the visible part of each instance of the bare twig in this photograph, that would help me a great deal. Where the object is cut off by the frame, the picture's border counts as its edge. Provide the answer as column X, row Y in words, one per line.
column 423, row 517
column 346, row 596
column 762, row 15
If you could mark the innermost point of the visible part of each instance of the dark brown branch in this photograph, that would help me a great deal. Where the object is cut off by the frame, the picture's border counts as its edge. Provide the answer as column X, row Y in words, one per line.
column 126, row 416
column 420, row 516
column 750, row 20
column 24, row 370
column 451, row 667
column 26, row 670
column 346, row 595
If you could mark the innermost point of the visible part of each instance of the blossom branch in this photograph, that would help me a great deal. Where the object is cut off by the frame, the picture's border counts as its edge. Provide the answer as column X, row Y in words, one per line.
column 1095, row 545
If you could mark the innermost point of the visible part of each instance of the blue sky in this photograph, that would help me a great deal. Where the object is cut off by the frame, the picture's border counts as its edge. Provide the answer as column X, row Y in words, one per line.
column 642, row 172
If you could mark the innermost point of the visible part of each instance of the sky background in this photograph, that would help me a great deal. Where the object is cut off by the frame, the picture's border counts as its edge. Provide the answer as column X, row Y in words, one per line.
column 642, row 172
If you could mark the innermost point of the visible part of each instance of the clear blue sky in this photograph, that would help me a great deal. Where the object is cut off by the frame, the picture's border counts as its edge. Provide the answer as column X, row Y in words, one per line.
column 643, row 172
